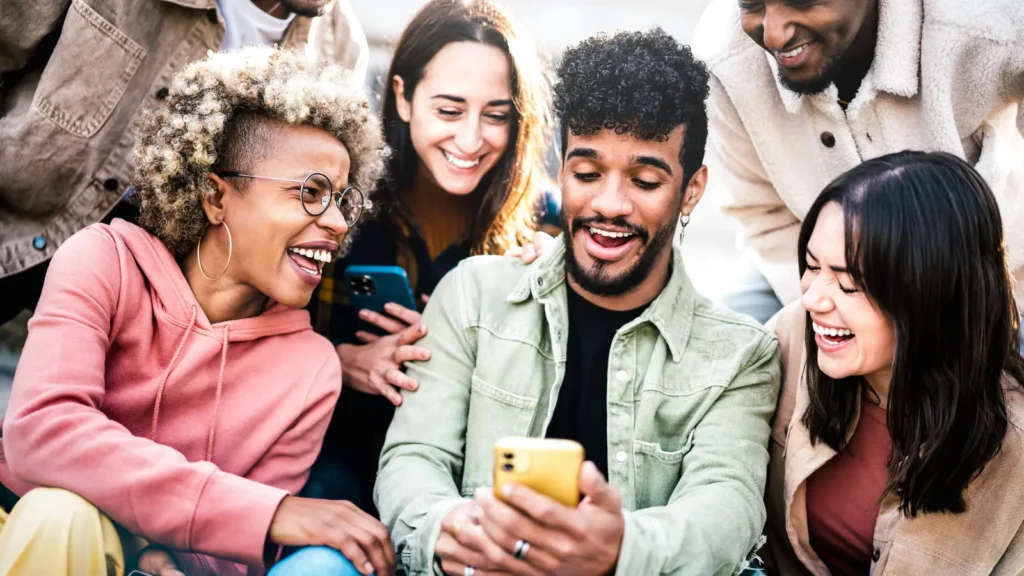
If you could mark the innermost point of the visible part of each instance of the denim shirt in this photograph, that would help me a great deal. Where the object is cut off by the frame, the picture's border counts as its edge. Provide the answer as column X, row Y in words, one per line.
column 691, row 389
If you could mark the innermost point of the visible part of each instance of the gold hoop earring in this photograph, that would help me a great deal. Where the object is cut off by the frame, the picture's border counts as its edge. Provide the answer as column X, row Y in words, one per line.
column 199, row 259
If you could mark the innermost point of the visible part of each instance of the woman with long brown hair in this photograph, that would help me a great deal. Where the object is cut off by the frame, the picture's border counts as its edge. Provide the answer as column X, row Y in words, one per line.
column 466, row 112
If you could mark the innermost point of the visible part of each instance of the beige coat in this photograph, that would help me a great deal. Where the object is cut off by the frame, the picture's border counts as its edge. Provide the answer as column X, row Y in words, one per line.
column 948, row 75
column 986, row 539
column 73, row 74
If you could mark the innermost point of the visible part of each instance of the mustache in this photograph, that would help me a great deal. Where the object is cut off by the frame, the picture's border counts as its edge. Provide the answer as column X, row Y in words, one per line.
column 617, row 222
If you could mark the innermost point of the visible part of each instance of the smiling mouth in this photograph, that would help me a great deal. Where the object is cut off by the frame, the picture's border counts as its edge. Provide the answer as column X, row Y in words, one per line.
column 310, row 261
column 832, row 336
column 460, row 163
column 609, row 238
column 796, row 51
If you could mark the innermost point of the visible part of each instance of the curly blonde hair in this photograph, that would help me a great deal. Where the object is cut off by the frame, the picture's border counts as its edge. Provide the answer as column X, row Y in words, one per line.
column 182, row 139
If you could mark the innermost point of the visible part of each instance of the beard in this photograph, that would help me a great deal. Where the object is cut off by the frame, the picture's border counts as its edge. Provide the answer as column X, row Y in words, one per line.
column 596, row 279
column 815, row 85
column 310, row 8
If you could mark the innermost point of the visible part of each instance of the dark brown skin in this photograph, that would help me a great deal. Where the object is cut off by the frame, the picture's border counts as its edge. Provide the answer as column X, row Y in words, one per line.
column 842, row 36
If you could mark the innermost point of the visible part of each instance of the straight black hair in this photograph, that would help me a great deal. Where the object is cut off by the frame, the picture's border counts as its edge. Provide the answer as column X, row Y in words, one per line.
column 924, row 241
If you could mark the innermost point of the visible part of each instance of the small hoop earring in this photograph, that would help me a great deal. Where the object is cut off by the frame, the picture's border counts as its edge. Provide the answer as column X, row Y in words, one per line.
column 684, row 220
column 199, row 259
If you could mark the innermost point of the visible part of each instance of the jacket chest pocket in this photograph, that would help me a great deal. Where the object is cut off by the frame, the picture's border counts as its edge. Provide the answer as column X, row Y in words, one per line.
column 88, row 72
column 493, row 414
column 657, row 471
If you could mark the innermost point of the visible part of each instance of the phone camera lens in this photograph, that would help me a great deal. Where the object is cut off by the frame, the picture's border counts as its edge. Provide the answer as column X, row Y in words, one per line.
column 508, row 455
column 507, row 467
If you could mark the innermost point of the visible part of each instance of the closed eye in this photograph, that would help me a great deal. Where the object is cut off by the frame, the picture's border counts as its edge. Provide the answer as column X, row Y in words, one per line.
column 586, row 176
column 645, row 185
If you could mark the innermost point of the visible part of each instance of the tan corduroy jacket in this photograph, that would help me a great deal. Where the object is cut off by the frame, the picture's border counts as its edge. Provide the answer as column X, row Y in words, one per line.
column 986, row 539
column 73, row 74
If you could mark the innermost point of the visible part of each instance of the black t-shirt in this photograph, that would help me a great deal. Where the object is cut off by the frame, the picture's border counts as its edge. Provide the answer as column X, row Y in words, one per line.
column 581, row 413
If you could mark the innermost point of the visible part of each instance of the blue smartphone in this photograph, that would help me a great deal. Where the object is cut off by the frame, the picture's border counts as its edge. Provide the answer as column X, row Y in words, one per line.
column 371, row 287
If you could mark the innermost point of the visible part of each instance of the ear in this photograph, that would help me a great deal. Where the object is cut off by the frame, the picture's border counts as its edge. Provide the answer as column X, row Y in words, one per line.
column 404, row 105
column 213, row 200
column 694, row 190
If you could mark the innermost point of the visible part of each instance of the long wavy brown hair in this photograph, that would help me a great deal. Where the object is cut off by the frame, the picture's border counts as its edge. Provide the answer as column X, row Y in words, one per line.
column 508, row 196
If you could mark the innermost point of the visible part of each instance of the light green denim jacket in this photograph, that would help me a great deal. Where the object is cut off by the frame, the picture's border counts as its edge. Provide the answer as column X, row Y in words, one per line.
column 691, row 389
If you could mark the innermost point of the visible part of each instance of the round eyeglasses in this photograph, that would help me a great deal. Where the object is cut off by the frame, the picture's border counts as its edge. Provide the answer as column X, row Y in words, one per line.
column 316, row 192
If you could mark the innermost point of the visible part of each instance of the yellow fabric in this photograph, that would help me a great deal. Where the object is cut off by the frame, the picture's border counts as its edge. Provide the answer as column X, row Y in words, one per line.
column 56, row 532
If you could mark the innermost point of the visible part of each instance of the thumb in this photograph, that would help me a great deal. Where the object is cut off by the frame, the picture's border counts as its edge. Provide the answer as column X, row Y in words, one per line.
column 597, row 490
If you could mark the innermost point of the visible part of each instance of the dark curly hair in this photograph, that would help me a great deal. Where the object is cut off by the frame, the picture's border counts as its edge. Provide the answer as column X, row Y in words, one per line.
column 642, row 83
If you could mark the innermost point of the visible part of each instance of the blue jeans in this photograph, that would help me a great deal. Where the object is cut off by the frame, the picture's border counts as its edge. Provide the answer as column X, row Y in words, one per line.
column 314, row 561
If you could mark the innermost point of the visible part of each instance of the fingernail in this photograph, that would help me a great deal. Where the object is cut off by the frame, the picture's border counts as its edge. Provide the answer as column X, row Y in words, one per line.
column 368, row 568
column 506, row 490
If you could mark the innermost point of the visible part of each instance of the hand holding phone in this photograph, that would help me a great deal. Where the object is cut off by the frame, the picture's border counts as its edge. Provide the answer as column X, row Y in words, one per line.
column 533, row 516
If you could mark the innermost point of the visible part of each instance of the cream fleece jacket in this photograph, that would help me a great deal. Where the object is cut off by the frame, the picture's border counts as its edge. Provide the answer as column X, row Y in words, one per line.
column 947, row 75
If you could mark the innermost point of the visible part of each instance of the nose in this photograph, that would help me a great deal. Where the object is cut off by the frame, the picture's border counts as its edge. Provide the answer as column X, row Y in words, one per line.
column 469, row 139
column 333, row 221
column 776, row 26
column 610, row 200
column 816, row 298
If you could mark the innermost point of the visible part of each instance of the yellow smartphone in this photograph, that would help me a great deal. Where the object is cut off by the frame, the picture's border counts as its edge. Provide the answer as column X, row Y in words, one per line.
column 548, row 466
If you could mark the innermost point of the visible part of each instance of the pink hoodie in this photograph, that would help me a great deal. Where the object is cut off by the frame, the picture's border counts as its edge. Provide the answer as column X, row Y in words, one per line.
column 186, row 433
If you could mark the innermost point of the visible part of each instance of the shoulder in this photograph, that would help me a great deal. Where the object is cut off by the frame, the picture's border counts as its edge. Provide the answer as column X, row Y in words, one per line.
column 994, row 20
column 749, row 342
column 492, row 276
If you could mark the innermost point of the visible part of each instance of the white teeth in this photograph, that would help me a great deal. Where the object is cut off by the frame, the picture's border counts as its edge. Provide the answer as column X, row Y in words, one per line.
column 608, row 234
column 833, row 332
column 318, row 255
column 794, row 53
column 459, row 163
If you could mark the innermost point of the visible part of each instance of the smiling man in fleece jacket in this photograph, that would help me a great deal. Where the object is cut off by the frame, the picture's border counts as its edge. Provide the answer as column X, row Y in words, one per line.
column 803, row 91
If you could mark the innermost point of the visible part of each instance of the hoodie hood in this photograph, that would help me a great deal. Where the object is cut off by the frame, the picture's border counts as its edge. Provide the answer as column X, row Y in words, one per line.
column 172, row 294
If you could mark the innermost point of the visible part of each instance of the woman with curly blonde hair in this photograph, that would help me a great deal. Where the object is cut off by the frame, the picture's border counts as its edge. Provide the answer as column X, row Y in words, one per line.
column 171, row 394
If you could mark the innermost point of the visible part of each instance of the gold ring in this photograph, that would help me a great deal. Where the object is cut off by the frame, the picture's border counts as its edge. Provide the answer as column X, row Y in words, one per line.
column 455, row 529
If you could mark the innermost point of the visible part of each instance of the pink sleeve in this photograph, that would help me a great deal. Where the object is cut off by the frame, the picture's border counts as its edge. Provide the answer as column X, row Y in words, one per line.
column 286, row 464
column 56, row 435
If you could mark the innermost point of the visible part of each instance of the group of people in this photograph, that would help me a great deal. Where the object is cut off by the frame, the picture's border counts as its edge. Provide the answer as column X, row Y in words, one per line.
column 856, row 406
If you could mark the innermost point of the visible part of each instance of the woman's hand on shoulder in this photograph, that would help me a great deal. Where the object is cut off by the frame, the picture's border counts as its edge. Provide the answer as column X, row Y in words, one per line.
column 375, row 366
column 541, row 242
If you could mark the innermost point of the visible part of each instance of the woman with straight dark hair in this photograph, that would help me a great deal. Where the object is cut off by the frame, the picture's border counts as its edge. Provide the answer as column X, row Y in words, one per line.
column 897, row 446
column 466, row 113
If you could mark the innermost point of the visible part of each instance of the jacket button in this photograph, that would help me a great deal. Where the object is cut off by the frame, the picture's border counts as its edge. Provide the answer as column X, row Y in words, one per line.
column 39, row 242
column 620, row 456
column 162, row 93
column 622, row 376
column 110, row 184
column 875, row 555
column 211, row 15
column 828, row 139
column 540, row 281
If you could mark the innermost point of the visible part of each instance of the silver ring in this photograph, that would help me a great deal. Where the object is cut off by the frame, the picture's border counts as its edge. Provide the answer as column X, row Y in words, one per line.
column 469, row 571
column 522, row 548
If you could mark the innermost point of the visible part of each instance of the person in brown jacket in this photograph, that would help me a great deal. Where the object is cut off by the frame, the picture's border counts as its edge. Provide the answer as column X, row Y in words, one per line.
column 898, row 443
column 73, row 74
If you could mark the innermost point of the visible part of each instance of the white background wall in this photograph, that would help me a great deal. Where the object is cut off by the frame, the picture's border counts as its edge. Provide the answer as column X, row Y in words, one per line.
column 554, row 24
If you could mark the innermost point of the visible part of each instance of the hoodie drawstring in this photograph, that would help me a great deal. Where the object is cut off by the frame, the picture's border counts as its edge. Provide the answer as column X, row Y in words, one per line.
column 220, row 388
column 167, row 373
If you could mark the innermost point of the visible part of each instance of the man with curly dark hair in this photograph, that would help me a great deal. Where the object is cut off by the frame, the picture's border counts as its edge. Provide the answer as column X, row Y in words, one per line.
column 602, row 341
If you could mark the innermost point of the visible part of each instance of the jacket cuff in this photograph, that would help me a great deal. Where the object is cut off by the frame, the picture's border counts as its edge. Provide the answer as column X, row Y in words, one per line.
column 422, row 555
column 232, row 518
column 632, row 555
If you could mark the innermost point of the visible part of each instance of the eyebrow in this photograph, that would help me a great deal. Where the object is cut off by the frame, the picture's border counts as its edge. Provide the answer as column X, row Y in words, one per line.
column 461, row 100
column 588, row 153
column 840, row 269
column 652, row 162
